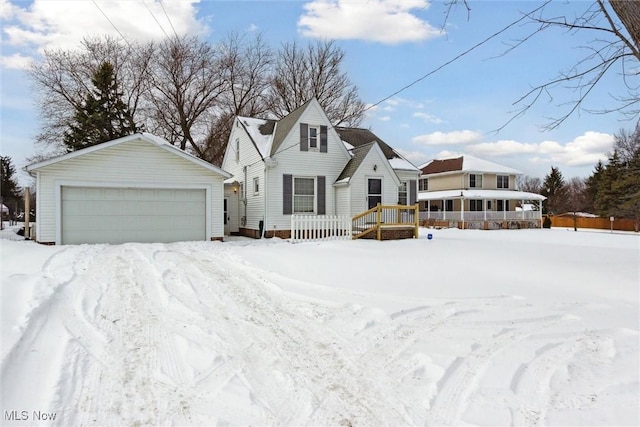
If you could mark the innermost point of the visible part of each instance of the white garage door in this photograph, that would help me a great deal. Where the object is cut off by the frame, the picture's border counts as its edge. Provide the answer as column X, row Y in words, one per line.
column 118, row 215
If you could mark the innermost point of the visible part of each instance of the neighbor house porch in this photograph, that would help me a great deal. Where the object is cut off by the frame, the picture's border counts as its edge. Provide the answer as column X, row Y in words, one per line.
column 480, row 209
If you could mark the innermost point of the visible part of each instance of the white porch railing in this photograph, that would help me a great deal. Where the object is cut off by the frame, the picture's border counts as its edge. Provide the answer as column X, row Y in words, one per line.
column 320, row 227
column 480, row 216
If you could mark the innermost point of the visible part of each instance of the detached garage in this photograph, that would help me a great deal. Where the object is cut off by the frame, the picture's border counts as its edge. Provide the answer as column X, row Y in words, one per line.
column 138, row 188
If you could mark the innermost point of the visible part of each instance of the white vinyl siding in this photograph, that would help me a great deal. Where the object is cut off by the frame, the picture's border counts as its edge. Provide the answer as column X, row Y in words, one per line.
column 135, row 164
column 359, row 182
column 304, row 164
column 251, row 208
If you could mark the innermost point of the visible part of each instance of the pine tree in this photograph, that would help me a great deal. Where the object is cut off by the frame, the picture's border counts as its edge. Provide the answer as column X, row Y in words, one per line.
column 556, row 192
column 103, row 115
column 592, row 183
column 610, row 191
column 10, row 191
column 630, row 185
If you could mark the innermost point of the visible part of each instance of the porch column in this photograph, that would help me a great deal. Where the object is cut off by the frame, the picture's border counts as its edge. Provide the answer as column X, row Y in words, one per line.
column 428, row 209
column 522, row 204
column 462, row 211
column 484, row 208
column 444, row 209
column 504, row 209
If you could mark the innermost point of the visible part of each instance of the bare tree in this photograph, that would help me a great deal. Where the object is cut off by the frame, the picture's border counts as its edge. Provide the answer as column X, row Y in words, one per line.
column 615, row 48
column 612, row 50
column 62, row 80
column 246, row 66
column 627, row 143
column 302, row 73
column 529, row 184
column 185, row 82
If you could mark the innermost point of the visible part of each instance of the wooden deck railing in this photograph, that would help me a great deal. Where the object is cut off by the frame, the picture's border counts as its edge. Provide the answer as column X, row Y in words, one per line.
column 385, row 216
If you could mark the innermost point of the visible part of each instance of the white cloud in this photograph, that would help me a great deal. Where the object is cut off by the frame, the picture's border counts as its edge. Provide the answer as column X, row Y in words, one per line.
column 16, row 61
column 449, row 138
column 62, row 23
column 384, row 21
column 252, row 28
column 585, row 149
column 415, row 157
column 428, row 117
column 384, row 118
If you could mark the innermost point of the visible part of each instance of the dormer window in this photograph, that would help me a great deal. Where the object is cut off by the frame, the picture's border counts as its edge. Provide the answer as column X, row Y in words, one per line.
column 314, row 133
column 313, row 138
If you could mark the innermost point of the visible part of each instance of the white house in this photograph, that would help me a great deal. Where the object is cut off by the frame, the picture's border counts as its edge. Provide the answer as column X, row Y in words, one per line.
column 301, row 164
column 138, row 188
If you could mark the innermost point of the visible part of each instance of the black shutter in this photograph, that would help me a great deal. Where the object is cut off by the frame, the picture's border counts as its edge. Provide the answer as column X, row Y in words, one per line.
column 287, row 194
column 323, row 139
column 322, row 193
column 304, row 137
column 412, row 192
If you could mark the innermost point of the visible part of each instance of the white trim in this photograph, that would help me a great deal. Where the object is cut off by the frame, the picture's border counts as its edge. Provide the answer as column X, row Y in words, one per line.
column 59, row 183
column 479, row 194
column 293, row 194
column 367, row 194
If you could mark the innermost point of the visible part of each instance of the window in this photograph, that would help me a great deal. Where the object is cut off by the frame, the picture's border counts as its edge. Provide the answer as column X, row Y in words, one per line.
column 402, row 193
column 423, row 184
column 503, row 181
column 303, row 195
column 242, row 191
column 237, row 149
column 475, row 205
column 256, row 185
column 475, row 181
column 314, row 133
column 374, row 192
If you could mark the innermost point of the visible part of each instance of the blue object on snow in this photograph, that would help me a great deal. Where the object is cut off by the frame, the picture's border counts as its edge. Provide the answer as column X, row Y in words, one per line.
column 429, row 236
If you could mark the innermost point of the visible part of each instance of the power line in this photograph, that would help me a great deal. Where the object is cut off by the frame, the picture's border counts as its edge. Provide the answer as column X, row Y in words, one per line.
column 155, row 19
column 168, row 19
column 112, row 24
column 472, row 48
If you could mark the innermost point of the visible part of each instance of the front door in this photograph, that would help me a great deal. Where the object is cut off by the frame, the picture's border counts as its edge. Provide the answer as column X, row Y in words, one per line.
column 374, row 192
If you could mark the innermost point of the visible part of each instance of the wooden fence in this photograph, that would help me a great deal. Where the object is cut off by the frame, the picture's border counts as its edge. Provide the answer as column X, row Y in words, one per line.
column 621, row 224
column 320, row 227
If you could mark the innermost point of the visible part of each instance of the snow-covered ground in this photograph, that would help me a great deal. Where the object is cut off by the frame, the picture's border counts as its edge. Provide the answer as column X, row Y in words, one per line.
column 514, row 327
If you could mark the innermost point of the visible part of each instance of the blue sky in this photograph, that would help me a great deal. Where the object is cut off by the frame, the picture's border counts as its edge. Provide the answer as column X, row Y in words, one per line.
column 388, row 44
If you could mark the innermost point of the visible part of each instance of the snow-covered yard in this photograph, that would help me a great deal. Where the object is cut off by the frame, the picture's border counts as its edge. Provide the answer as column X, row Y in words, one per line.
column 515, row 327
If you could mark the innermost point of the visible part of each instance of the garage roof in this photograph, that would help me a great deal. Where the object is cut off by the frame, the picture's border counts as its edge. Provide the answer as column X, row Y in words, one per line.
column 146, row 137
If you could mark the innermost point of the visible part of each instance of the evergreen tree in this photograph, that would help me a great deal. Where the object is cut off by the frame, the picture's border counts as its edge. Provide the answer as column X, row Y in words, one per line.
column 556, row 192
column 610, row 191
column 629, row 185
column 592, row 184
column 103, row 115
column 10, row 192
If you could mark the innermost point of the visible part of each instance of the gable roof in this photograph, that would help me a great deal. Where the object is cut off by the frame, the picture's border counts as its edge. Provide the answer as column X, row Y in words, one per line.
column 358, row 137
column 145, row 137
column 465, row 163
column 358, row 156
column 284, row 126
column 358, row 153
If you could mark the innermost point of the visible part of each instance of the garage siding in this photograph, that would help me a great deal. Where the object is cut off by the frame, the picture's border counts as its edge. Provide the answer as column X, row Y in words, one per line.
column 135, row 163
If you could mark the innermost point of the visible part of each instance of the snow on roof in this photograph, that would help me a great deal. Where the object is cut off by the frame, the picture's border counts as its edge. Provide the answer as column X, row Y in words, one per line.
column 474, row 164
column 263, row 142
column 347, row 145
column 465, row 163
column 400, row 163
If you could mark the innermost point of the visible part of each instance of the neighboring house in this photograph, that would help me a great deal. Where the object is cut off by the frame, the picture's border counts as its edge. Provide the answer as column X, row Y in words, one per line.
column 301, row 164
column 138, row 188
column 475, row 193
